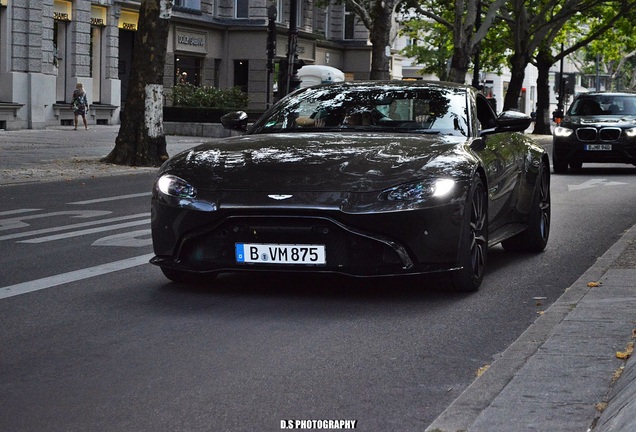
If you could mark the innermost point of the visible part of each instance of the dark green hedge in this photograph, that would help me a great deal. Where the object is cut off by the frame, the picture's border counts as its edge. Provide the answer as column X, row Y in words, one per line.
column 200, row 115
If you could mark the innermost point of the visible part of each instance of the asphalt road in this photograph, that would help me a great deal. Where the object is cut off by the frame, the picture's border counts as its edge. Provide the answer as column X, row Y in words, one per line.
column 106, row 343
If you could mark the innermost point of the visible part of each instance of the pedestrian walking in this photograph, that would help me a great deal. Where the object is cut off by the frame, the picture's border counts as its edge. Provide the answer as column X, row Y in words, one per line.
column 79, row 104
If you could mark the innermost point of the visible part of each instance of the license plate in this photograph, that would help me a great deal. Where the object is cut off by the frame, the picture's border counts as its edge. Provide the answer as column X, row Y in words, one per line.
column 280, row 253
column 598, row 147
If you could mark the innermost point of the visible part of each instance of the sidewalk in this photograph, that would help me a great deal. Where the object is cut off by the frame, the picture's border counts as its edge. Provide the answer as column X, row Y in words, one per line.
column 562, row 374
column 28, row 156
column 558, row 376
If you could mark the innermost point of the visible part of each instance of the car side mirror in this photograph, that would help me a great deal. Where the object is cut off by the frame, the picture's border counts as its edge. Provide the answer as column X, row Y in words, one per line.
column 478, row 144
column 513, row 121
column 235, row 121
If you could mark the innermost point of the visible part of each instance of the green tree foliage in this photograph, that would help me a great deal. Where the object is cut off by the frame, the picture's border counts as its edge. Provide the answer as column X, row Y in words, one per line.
column 378, row 17
column 432, row 45
column 612, row 52
column 461, row 19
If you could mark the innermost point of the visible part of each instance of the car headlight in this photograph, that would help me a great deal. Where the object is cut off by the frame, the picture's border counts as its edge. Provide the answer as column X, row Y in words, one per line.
column 419, row 190
column 561, row 131
column 631, row 132
column 174, row 186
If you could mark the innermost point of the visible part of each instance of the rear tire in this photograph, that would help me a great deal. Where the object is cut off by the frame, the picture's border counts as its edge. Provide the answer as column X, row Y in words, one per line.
column 535, row 237
column 473, row 245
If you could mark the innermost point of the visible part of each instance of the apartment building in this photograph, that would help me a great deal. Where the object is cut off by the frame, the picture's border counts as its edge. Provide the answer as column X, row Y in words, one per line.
column 48, row 46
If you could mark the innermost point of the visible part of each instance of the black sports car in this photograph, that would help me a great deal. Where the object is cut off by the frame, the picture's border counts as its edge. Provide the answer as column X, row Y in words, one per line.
column 598, row 127
column 362, row 179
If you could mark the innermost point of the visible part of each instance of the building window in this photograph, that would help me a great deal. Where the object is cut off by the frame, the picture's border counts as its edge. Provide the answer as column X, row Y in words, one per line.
column 187, row 70
column 217, row 72
column 241, row 8
column 300, row 15
column 279, row 11
column 241, row 74
column 188, row 4
column 350, row 23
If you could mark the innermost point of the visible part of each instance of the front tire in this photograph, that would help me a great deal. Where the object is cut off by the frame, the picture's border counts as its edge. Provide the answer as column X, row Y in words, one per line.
column 576, row 165
column 560, row 165
column 473, row 245
column 535, row 237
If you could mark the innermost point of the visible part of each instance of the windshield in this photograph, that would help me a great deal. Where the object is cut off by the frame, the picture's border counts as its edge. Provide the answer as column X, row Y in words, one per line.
column 599, row 105
column 386, row 108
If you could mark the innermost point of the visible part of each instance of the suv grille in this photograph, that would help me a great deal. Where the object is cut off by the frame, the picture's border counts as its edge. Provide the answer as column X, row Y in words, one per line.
column 603, row 134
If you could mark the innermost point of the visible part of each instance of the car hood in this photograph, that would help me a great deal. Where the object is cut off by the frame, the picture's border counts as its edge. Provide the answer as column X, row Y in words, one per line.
column 320, row 161
column 602, row 120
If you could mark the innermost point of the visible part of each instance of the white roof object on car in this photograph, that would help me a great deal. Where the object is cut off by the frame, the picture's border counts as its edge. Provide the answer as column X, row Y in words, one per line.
column 311, row 75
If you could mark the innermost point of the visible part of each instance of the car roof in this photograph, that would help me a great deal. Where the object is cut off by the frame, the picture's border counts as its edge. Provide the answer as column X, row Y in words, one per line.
column 398, row 83
column 606, row 93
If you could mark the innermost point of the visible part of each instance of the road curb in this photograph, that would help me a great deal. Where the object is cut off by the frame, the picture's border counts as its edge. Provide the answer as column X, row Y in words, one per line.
column 480, row 395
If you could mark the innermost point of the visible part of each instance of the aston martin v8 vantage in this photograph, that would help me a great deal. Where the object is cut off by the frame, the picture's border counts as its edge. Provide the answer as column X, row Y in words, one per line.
column 360, row 178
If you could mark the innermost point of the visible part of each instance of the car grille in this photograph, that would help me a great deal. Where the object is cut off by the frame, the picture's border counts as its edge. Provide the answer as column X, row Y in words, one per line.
column 360, row 253
column 603, row 134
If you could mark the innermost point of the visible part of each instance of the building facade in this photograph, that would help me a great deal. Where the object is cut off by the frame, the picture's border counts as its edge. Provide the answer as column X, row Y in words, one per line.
column 48, row 46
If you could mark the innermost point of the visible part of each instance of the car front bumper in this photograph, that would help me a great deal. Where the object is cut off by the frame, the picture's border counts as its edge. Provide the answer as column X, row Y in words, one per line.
column 389, row 243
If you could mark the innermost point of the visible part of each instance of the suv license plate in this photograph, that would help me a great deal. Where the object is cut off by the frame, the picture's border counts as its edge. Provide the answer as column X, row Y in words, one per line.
column 264, row 253
column 598, row 147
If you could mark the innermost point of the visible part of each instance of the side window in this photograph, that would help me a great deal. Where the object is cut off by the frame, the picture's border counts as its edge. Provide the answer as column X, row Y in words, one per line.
column 485, row 114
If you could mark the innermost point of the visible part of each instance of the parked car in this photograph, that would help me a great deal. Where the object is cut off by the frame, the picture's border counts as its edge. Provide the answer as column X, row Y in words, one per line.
column 598, row 127
column 357, row 178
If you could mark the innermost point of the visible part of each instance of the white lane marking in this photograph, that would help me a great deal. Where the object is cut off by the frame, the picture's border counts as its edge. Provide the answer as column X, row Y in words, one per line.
column 114, row 198
column 73, row 276
column 592, row 183
column 16, row 222
column 85, row 232
column 127, row 239
column 71, row 226
column 18, row 211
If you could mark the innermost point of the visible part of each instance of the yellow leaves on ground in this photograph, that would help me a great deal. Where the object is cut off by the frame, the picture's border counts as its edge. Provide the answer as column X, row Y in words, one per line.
column 482, row 370
column 594, row 284
column 624, row 355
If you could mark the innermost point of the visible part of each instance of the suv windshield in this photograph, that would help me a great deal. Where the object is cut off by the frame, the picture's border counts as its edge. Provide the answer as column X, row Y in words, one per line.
column 604, row 105
column 370, row 108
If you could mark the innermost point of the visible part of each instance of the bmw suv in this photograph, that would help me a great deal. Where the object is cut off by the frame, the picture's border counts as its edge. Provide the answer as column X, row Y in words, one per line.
column 598, row 127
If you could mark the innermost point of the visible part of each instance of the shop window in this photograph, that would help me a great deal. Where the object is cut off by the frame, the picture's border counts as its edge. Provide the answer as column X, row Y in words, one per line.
column 187, row 70
column 241, row 74
column 96, row 62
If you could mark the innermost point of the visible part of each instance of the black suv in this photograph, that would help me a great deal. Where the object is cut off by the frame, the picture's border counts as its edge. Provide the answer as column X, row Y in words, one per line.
column 598, row 127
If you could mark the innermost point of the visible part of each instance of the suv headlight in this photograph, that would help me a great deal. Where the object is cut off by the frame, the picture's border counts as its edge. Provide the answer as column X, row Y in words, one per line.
column 561, row 131
column 631, row 132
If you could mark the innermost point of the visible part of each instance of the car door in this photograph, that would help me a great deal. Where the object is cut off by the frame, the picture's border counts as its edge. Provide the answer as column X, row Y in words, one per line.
column 503, row 162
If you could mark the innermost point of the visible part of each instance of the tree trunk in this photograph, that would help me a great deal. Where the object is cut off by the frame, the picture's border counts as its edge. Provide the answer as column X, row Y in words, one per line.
column 459, row 65
column 141, row 141
column 380, row 37
column 517, row 75
column 379, row 58
column 544, row 61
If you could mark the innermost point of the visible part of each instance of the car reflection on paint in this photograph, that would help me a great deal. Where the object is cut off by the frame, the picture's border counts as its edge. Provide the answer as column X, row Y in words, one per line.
column 361, row 179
